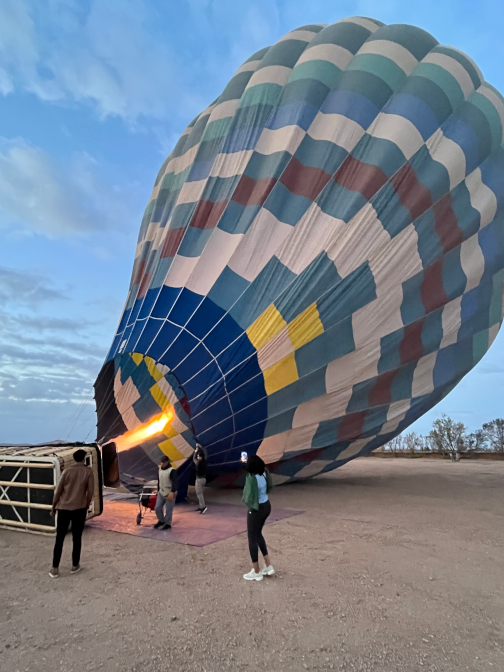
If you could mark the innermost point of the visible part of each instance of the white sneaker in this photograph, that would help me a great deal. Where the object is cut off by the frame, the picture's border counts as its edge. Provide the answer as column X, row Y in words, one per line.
column 267, row 571
column 253, row 576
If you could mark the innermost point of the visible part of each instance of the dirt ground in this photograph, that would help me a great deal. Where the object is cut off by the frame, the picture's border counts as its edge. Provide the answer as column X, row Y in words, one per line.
column 395, row 566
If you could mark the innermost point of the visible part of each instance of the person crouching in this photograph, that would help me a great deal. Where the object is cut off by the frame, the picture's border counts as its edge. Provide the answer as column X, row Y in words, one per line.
column 167, row 493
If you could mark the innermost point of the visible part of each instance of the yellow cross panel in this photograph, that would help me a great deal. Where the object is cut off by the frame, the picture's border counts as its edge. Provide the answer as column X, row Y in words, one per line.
column 281, row 374
column 305, row 327
column 169, row 449
column 151, row 366
column 265, row 327
column 159, row 397
column 137, row 358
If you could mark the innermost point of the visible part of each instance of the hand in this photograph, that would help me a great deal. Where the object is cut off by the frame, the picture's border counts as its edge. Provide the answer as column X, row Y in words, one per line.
column 52, row 512
column 170, row 497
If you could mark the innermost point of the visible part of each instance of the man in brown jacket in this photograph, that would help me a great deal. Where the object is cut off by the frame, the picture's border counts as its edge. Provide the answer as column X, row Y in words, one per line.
column 71, row 500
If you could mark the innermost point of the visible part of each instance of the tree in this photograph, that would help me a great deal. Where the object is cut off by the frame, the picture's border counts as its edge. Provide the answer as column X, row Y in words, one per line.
column 413, row 442
column 448, row 436
column 494, row 433
column 395, row 445
column 477, row 440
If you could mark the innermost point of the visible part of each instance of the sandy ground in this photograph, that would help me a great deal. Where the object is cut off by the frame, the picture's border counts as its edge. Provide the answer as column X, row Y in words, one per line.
column 397, row 565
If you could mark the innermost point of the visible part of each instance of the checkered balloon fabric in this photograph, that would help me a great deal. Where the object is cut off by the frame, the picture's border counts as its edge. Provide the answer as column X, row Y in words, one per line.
column 321, row 259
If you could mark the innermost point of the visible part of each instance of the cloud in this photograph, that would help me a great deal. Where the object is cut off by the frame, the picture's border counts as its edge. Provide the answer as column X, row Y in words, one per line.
column 27, row 288
column 109, row 54
column 38, row 194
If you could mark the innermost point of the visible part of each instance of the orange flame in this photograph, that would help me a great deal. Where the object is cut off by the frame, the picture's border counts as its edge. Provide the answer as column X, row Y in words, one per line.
column 139, row 434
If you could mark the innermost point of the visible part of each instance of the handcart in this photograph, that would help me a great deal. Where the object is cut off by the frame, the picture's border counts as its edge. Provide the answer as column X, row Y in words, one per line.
column 146, row 500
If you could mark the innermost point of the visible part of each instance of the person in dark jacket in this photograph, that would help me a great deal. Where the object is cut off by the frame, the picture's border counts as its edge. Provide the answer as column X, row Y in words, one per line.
column 71, row 501
column 255, row 495
column 199, row 459
column 167, row 493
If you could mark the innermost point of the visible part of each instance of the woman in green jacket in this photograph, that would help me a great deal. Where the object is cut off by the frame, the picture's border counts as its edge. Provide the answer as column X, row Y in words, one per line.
column 255, row 495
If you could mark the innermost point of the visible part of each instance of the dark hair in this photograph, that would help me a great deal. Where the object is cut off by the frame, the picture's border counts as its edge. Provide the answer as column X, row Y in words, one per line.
column 165, row 458
column 255, row 465
column 79, row 455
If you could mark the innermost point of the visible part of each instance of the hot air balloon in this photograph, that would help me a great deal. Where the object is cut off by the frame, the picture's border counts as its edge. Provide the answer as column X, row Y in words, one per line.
column 320, row 262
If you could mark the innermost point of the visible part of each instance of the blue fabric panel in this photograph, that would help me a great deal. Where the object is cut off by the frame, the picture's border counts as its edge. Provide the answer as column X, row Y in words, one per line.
column 352, row 105
column 242, row 224
column 224, row 332
column 327, row 433
column 374, row 421
column 432, row 331
column 299, row 113
column 208, row 436
column 262, row 292
column 245, row 395
column 134, row 336
column 228, row 288
column 194, row 241
column 391, row 213
column 192, row 364
column 124, row 321
column 317, row 278
column 145, row 408
column 491, row 240
column 135, row 311
column 232, row 358
column 341, row 203
column 165, row 301
column 277, row 424
column 352, row 293
column 149, row 333
column 246, row 436
column 403, row 382
column 127, row 366
column 307, row 388
column 206, row 386
column 415, row 110
column 286, row 206
column 179, row 349
column 142, row 379
column 148, row 302
column 163, row 340
column 204, row 319
column 390, row 357
column 465, row 137
column 251, row 415
column 321, row 154
column 379, row 152
column 359, row 400
column 429, row 245
column 412, row 308
column 327, row 347
column 454, row 278
column 184, row 307
column 244, row 373
column 212, row 415
column 492, row 176
column 431, row 174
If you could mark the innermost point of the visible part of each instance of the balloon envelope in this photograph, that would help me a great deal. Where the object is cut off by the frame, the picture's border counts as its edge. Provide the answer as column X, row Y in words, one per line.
column 320, row 262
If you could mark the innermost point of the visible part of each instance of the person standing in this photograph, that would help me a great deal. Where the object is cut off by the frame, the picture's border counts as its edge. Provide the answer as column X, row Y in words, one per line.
column 167, row 493
column 255, row 495
column 71, row 501
column 199, row 459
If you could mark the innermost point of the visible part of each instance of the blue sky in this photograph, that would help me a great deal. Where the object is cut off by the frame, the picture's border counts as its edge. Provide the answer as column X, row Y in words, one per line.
column 93, row 95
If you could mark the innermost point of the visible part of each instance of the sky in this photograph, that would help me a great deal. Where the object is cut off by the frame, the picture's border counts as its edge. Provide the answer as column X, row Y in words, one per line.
column 93, row 96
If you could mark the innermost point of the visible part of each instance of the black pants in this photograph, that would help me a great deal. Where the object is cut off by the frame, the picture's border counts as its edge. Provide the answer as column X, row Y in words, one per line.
column 255, row 524
column 77, row 518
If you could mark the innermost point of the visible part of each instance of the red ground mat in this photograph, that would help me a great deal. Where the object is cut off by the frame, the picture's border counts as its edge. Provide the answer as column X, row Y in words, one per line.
column 220, row 522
